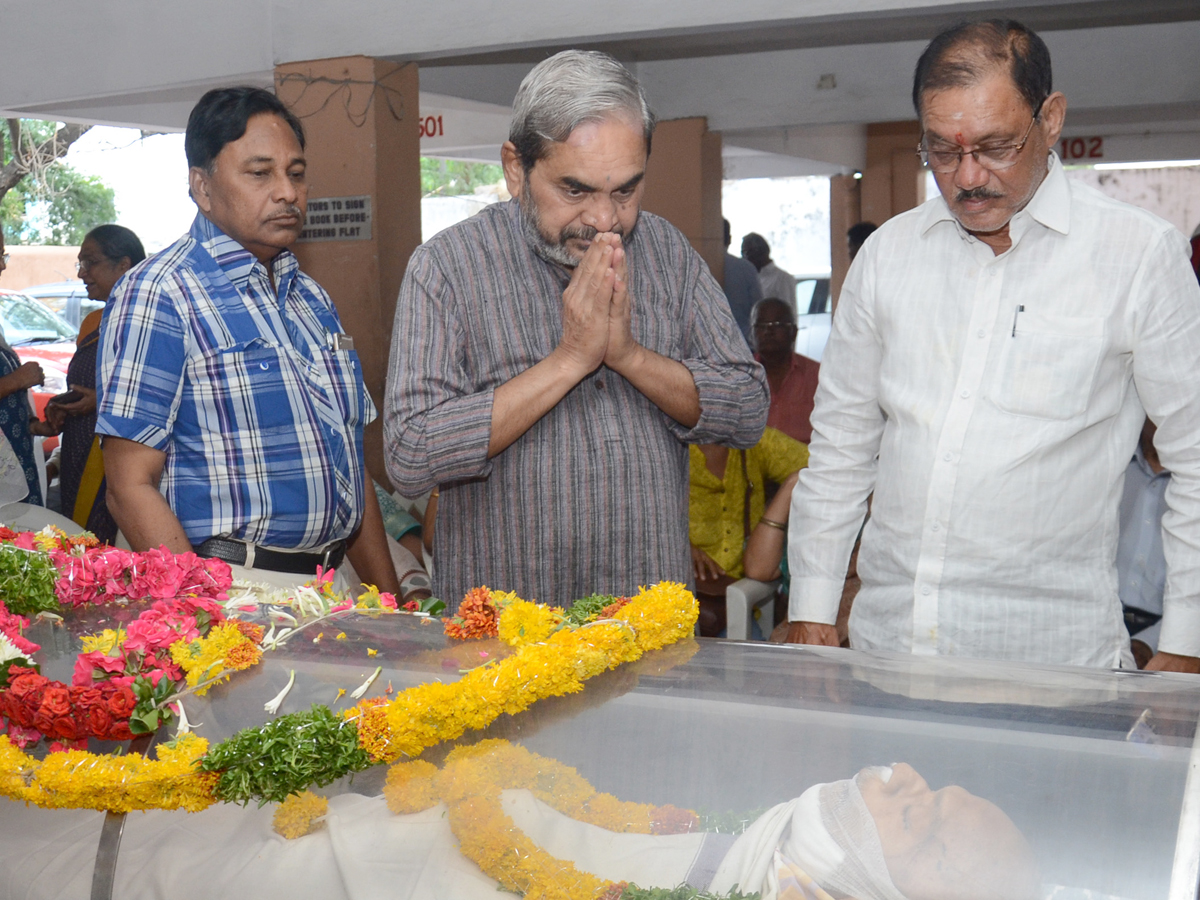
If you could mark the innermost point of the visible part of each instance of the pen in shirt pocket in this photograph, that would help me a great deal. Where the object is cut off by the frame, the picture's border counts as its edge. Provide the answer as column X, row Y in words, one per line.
column 1019, row 310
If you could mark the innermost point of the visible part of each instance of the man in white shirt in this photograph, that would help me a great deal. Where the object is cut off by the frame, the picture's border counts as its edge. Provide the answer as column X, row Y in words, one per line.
column 993, row 357
column 776, row 284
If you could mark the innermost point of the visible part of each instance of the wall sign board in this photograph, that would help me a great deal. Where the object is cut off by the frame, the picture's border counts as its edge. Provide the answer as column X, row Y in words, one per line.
column 338, row 219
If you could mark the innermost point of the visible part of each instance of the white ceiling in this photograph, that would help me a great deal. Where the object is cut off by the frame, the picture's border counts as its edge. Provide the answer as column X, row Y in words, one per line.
column 753, row 68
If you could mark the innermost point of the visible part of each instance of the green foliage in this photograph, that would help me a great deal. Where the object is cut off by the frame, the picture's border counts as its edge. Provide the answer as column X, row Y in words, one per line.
column 27, row 580
column 449, row 177
column 74, row 203
column 150, row 711
column 286, row 756
column 588, row 608
column 77, row 204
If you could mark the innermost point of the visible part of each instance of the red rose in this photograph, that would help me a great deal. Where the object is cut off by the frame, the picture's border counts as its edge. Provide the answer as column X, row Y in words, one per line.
column 25, row 682
column 120, row 732
column 88, row 697
column 121, row 703
column 65, row 728
column 99, row 722
column 57, row 700
column 43, row 722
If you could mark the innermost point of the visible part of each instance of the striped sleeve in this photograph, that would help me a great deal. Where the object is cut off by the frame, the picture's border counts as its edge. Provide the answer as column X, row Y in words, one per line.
column 437, row 426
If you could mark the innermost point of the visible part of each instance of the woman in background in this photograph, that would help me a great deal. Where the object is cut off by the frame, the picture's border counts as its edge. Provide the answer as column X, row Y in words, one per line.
column 107, row 253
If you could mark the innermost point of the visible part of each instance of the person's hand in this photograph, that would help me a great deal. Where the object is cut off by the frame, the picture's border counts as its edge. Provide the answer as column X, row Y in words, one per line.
column 50, row 427
column 85, row 405
column 706, row 567
column 621, row 345
column 28, row 375
column 1173, row 662
column 813, row 633
column 586, row 303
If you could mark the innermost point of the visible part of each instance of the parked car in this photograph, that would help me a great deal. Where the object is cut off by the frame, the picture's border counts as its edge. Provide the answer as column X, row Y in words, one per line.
column 40, row 336
column 812, row 327
column 67, row 298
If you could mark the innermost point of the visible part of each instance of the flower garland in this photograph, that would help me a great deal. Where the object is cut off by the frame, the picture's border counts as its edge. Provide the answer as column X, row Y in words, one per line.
column 470, row 785
column 251, row 765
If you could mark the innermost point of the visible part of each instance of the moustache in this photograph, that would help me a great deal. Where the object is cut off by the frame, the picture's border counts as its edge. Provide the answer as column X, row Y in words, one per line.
column 586, row 233
column 290, row 210
column 979, row 193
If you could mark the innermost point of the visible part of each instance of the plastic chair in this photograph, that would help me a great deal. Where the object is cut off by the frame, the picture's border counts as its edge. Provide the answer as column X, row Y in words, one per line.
column 741, row 599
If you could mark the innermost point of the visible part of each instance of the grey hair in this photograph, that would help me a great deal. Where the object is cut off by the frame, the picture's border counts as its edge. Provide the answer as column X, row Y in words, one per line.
column 565, row 91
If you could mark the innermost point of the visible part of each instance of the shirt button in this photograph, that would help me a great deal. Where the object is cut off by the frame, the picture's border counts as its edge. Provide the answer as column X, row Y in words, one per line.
column 937, row 527
column 948, row 457
column 981, row 333
column 263, row 366
column 599, row 384
column 965, row 394
column 925, row 590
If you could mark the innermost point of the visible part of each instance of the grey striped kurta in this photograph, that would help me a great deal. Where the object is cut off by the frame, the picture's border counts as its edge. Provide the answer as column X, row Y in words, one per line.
column 594, row 497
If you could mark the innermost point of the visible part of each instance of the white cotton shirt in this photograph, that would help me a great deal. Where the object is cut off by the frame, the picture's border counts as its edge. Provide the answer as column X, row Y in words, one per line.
column 996, row 438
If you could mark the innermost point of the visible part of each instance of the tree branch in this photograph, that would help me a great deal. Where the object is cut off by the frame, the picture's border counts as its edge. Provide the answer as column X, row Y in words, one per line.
column 37, row 158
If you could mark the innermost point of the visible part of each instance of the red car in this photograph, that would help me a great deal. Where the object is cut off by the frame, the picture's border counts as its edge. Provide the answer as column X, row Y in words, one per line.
column 41, row 336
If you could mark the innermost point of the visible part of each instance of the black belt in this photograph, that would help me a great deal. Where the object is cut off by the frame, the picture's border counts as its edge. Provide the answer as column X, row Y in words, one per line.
column 237, row 553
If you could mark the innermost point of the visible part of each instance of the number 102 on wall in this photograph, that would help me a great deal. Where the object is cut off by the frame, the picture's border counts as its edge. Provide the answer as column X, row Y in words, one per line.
column 1081, row 148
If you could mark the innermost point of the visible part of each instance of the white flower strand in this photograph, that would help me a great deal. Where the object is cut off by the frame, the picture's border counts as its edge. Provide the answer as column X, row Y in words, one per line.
column 362, row 688
column 272, row 706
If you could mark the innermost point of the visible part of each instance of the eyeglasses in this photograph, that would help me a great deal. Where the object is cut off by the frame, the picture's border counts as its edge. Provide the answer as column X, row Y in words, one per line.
column 82, row 265
column 994, row 158
column 773, row 326
column 4, row 258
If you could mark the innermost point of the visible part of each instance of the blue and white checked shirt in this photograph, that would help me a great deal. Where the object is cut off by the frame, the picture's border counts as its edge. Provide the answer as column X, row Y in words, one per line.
column 261, row 421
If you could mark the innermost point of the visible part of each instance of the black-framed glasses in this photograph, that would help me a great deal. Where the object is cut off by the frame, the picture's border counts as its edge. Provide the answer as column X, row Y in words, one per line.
column 994, row 158
column 773, row 326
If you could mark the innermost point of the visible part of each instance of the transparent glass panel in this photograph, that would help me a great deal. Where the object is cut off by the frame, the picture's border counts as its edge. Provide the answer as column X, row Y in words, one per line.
column 1092, row 767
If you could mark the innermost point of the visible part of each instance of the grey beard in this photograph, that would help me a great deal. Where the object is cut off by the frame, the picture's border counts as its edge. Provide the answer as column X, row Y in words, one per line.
column 555, row 252
column 531, row 225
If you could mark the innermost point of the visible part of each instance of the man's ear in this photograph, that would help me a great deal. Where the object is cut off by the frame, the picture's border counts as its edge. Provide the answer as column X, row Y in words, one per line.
column 514, row 170
column 1054, row 114
column 198, row 188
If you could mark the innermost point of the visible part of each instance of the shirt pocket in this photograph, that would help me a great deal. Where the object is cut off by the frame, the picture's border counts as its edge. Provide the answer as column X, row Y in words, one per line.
column 247, row 386
column 1047, row 369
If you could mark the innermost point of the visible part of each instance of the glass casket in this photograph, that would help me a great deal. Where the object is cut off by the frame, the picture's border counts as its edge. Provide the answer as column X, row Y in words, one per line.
column 1097, row 769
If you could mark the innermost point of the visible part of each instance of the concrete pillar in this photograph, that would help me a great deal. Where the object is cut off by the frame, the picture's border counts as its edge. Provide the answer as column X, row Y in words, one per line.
column 893, row 179
column 360, row 118
column 845, row 209
column 683, row 185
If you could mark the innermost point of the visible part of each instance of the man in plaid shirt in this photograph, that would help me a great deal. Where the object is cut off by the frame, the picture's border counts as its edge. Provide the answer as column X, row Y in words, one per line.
column 231, row 404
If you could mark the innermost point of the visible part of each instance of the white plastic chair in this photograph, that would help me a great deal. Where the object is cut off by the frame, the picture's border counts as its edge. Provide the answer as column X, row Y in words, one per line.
column 741, row 599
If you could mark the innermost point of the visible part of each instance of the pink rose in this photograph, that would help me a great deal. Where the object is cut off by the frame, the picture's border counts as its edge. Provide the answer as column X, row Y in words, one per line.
column 149, row 632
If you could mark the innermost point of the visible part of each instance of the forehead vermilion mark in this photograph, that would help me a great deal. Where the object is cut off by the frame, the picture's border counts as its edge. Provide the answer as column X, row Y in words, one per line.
column 958, row 137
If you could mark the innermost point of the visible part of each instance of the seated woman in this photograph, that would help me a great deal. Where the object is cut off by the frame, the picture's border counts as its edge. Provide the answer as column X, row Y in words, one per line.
column 727, row 497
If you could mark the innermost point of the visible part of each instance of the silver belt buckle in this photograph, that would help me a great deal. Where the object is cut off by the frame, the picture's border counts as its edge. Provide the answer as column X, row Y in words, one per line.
column 325, row 555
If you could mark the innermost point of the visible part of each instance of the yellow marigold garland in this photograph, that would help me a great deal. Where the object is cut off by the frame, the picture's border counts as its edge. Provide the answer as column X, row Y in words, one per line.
column 432, row 713
column 470, row 785
column 297, row 815
column 418, row 718
column 80, row 780
column 523, row 622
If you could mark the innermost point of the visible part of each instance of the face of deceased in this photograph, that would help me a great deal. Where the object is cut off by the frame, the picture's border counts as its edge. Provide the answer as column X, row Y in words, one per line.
column 987, row 114
column 947, row 844
column 256, row 192
column 589, row 184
